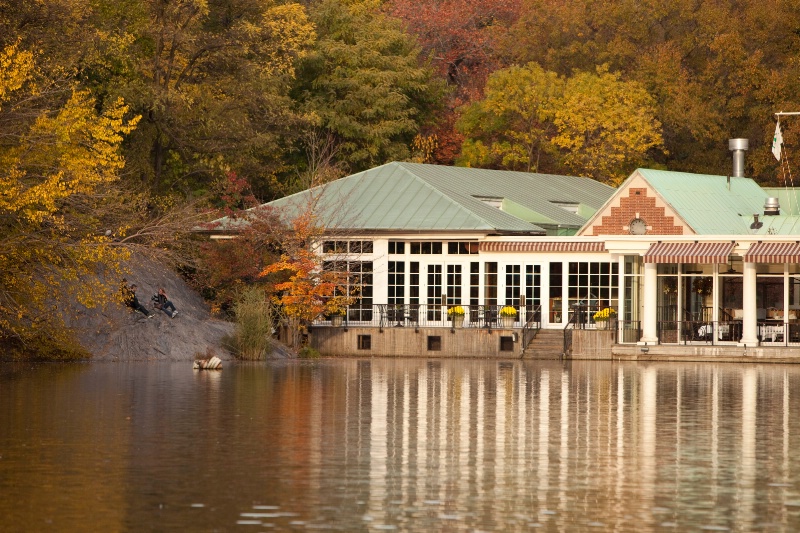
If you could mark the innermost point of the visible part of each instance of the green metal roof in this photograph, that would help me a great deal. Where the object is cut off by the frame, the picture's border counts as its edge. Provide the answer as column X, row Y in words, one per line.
column 711, row 205
column 419, row 197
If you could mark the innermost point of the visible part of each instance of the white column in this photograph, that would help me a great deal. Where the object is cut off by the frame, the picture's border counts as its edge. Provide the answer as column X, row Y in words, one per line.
column 621, row 299
column 750, row 318
column 649, row 314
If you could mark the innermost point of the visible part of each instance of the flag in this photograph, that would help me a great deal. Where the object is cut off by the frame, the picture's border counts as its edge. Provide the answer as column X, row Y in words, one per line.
column 777, row 141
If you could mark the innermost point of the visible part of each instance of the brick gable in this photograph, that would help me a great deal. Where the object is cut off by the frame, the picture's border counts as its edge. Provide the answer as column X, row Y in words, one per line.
column 639, row 203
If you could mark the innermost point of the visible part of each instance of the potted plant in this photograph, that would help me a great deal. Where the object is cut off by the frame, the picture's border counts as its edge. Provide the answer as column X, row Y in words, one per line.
column 456, row 314
column 603, row 317
column 508, row 315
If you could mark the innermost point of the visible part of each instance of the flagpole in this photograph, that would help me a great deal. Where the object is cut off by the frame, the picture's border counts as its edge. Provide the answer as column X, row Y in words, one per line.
column 779, row 140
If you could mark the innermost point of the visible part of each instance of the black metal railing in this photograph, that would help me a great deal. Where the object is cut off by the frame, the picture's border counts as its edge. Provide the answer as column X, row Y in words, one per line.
column 449, row 316
column 533, row 323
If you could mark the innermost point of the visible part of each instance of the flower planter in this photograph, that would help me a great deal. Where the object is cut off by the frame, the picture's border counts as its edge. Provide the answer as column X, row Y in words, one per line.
column 458, row 321
column 601, row 324
column 507, row 321
column 336, row 320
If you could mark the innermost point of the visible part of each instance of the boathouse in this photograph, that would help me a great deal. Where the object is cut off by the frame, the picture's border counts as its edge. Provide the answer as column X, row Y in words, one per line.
column 471, row 262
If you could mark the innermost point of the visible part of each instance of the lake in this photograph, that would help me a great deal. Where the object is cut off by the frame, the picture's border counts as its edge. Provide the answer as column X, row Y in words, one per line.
column 400, row 445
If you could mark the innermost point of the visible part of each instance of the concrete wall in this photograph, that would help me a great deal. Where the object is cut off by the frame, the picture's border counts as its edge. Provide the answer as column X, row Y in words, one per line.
column 592, row 344
column 411, row 342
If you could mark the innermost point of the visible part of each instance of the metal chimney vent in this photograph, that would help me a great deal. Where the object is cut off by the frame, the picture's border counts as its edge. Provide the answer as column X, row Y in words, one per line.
column 772, row 206
column 738, row 147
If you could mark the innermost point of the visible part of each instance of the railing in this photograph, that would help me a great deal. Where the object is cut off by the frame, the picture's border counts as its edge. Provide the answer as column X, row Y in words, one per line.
column 699, row 332
column 709, row 332
column 424, row 315
column 533, row 323
column 582, row 316
column 631, row 331
column 567, row 347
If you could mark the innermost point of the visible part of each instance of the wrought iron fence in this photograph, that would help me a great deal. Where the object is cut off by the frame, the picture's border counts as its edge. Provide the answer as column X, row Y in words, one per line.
column 448, row 316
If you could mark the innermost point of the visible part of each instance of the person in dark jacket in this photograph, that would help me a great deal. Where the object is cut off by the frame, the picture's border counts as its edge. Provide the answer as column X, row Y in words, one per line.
column 133, row 302
column 163, row 303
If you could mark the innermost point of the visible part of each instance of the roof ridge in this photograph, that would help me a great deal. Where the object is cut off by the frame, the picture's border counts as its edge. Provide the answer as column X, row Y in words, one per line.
column 458, row 203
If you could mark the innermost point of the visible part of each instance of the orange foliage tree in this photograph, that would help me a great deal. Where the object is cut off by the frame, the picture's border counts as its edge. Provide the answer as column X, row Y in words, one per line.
column 307, row 289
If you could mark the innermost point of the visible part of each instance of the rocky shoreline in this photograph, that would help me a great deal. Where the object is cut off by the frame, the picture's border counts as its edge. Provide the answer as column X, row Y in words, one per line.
column 117, row 333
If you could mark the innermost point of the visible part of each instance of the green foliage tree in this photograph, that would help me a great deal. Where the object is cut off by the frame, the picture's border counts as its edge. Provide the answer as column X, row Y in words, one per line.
column 210, row 79
column 363, row 82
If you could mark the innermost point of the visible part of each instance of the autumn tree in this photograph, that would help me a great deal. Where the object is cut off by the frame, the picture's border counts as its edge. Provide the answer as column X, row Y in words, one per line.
column 512, row 127
column 59, row 162
column 461, row 39
column 210, row 79
column 590, row 124
column 715, row 69
column 606, row 126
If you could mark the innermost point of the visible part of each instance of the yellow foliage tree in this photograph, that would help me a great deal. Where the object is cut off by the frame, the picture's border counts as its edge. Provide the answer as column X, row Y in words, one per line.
column 606, row 126
column 59, row 161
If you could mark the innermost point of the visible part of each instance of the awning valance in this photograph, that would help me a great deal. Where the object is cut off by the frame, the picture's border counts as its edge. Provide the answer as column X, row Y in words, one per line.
column 552, row 246
column 689, row 252
column 773, row 252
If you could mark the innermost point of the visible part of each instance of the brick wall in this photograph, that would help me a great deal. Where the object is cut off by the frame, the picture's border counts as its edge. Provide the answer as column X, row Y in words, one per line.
column 637, row 204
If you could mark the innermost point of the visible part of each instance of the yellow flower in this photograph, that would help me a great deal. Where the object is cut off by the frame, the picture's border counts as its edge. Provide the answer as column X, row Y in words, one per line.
column 508, row 311
column 455, row 311
column 604, row 314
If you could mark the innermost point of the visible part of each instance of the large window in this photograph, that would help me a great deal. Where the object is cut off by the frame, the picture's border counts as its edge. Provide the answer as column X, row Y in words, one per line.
column 633, row 298
column 474, row 284
column 462, row 248
column 434, row 290
column 453, row 284
column 556, row 290
column 592, row 284
column 347, row 247
column 490, row 283
column 426, row 248
column 413, row 282
column 513, row 281
column 359, row 284
column 396, row 282
column 533, row 289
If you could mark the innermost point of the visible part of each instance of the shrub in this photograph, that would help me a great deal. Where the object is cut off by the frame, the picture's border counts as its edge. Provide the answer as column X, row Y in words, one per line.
column 254, row 322
column 307, row 352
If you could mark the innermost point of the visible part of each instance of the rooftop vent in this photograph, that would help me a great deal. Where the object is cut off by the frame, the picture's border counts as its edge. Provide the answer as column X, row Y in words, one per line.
column 772, row 206
column 738, row 147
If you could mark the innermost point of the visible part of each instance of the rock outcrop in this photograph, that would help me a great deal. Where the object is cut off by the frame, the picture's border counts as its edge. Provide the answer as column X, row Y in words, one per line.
column 117, row 333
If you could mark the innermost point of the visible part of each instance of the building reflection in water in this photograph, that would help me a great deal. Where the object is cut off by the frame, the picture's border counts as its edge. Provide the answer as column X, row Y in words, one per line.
column 405, row 444
column 656, row 445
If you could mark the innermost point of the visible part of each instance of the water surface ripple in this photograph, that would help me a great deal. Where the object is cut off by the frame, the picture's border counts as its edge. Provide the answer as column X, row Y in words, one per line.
column 400, row 445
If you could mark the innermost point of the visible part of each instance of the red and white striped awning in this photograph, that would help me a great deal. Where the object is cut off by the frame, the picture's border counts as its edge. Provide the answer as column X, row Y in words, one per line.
column 689, row 252
column 553, row 246
column 773, row 252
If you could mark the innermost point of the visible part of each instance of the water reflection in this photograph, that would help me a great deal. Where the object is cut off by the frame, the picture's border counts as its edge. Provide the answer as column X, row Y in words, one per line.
column 407, row 445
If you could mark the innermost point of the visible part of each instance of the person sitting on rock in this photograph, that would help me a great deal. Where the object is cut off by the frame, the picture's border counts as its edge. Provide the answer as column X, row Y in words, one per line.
column 133, row 302
column 163, row 303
